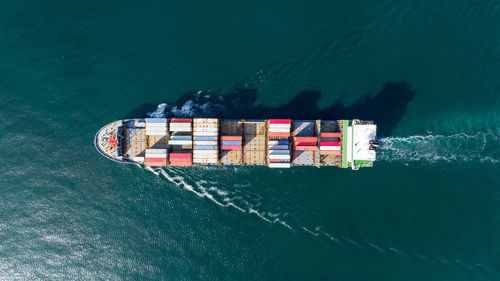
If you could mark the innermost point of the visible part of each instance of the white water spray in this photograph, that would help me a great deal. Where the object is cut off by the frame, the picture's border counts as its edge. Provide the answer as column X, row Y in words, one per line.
column 481, row 147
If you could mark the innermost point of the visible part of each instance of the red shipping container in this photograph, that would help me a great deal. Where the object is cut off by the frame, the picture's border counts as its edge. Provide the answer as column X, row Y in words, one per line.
column 230, row 147
column 181, row 164
column 305, row 143
column 330, row 143
column 280, row 121
column 331, row 135
column 179, row 155
column 156, row 164
column 330, row 152
column 274, row 134
column 150, row 159
column 306, row 148
column 306, row 139
column 179, row 120
column 180, row 159
column 231, row 138
column 274, row 161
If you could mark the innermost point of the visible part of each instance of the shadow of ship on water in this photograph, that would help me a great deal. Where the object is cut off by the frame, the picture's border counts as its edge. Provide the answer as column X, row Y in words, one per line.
column 385, row 108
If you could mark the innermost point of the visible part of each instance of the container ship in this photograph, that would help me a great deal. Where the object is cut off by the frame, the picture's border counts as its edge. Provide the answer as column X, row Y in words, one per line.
column 276, row 143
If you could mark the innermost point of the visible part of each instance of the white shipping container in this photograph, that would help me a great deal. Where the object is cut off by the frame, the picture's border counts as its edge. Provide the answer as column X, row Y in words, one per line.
column 214, row 134
column 139, row 124
column 137, row 159
column 205, row 142
column 156, row 124
column 205, row 157
column 180, row 142
column 279, row 156
column 279, row 165
column 205, row 120
column 205, row 152
column 156, row 128
column 214, row 155
column 202, row 161
column 329, row 148
column 278, row 126
column 164, row 129
column 180, row 129
column 156, row 155
column 206, row 123
column 279, row 130
column 156, row 150
column 207, row 129
column 206, row 160
column 180, row 125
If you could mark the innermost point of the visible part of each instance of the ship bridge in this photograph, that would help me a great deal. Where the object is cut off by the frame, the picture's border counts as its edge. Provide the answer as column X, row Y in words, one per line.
column 359, row 142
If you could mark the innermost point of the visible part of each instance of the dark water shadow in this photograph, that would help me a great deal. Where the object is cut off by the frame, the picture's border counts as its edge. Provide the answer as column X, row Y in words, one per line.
column 386, row 108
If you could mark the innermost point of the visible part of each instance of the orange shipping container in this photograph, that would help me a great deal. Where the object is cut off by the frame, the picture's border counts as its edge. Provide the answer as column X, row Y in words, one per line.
column 330, row 152
column 306, row 148
column 231, row 138
column 305, row 139
column 181, row 164
column 331, row 135
column 275, row 134
column 156, row 164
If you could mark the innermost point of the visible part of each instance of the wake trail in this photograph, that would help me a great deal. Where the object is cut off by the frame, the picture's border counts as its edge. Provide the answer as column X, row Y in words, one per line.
column 481, row 147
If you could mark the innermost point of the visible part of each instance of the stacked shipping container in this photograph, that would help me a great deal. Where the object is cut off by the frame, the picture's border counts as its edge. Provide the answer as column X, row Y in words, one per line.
column 278, row 143
column 156, row 132
column 330, row 143
column 305, row 143
column 254, row 142
column 155, row 157
column 205, row 134
column 135, row 143
column 231, row 142
column 180, row 142
column 156, row 128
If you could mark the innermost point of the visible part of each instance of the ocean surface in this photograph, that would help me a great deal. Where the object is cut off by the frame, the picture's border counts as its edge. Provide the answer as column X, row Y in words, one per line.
column 428, row 72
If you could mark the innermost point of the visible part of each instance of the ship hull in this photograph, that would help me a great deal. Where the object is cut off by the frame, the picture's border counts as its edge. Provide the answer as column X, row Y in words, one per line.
column 275, row 143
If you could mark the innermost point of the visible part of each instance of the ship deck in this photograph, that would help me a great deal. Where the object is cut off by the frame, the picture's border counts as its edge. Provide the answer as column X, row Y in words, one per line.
column 204, row 141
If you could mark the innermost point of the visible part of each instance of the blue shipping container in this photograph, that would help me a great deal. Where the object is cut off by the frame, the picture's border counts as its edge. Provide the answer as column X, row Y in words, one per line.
column 205, row 147
column 205, row 138
column 231, row 142
column 156, row 120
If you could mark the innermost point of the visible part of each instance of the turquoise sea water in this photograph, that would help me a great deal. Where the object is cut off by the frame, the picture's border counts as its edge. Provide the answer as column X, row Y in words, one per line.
column 426, row 71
